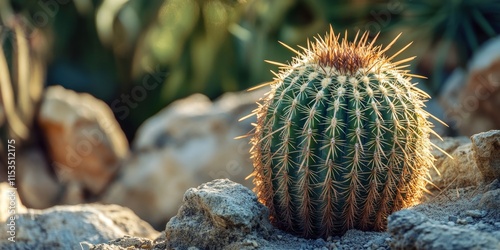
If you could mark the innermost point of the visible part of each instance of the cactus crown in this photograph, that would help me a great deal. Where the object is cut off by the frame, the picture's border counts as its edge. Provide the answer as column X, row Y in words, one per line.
column 341, row 140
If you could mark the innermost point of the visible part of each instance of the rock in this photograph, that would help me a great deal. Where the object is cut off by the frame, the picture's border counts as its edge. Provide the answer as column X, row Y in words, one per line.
column 64, row 227
column 38, row 185
column 217, row 214
column 459, row 171
column 475, row 213
column 126, row 242
column 10, row 204
column 84, row 141
column 491, row 201
column 486, row 148
column 186, row 144
column 472, row 101
column 225, row 215
column 448, row 144
column 413, row 230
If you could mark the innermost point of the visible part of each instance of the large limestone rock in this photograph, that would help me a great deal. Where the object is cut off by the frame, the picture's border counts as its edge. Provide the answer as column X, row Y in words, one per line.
column 219, row 213
column 222, row 214
column 486, row 149
column 71, row 227
column 471, row 98
column 186, row 144
column 84, row 141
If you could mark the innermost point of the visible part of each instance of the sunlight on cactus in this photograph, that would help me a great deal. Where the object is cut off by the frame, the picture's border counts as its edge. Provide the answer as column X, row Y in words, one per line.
column 341, row 140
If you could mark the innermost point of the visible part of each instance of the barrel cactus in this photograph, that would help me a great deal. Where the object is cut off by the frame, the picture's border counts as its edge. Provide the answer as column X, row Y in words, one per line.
column 341, row 139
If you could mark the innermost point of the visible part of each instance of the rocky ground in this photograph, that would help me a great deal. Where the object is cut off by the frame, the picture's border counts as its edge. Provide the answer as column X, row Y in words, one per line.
column 86, row 157
column 225, row 215
column 93, row 165
column 222, row 214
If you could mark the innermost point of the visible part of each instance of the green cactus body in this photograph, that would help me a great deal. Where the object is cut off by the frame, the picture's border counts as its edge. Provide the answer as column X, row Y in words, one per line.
column 341, row 140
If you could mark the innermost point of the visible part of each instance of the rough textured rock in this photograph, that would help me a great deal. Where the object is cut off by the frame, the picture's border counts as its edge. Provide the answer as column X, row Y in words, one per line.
column 225, row 215
column 413, row 230
column 486, row 148
column 220, row 213
column 38, row 185
column 491, row 201
column 442, row 162
column 84, row 141
column 459, row 171
column 126, row 242
column 64, row 227
column 471, row 163
column 448, row 144
column 186, row 144
column 471, row 99
column 222, row 209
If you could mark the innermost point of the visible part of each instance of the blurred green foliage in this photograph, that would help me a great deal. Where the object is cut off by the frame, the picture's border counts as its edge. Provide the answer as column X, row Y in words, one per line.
column 190, row 40
column 447, row 33
column 292, row 22
column 21, row 81
column 139, row 56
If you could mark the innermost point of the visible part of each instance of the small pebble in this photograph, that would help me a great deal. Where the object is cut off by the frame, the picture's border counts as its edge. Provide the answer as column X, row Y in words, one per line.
column 481, row 226
column 461, row 222
column 452, row 218
column 450, row 223
column 476, row 213
column 469, row 220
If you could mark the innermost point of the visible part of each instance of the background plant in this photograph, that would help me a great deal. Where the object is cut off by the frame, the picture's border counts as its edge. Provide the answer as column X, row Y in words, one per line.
column 107, row 47
column 449, row 32
column 22, row 73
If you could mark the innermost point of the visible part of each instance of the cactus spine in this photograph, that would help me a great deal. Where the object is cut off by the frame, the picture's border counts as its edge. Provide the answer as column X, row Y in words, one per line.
column 341, row 140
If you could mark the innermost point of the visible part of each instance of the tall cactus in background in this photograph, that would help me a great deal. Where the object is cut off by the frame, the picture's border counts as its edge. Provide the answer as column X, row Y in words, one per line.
column 22, row 72
column 341, row 140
